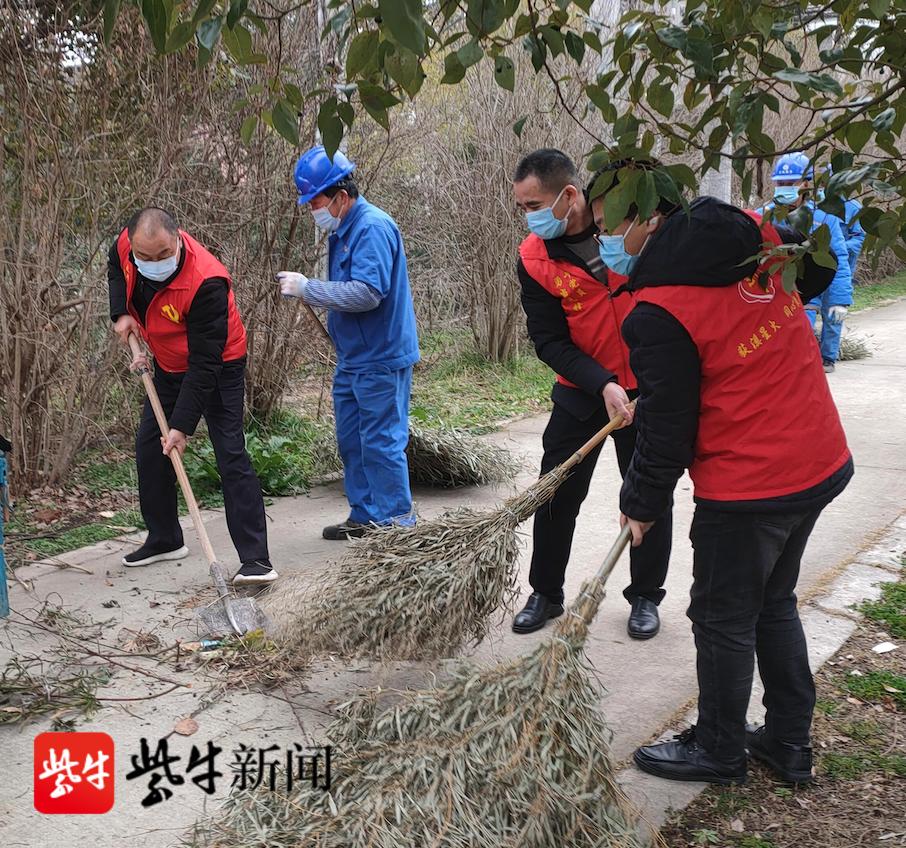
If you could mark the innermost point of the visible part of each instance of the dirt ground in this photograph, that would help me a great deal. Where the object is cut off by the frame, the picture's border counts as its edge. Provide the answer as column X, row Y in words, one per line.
column 858, row 797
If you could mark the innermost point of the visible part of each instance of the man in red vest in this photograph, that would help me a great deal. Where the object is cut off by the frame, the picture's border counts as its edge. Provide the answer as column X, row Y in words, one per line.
column 732, row 388
column 169, row 289
column 574, row 323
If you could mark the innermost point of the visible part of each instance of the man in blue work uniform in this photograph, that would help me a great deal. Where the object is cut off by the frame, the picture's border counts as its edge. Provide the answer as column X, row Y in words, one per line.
column 372, row 323
column 793, row 176
column 854, row 234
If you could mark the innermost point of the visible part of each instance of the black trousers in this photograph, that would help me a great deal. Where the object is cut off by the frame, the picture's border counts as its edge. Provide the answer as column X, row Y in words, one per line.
column 555, row 522
column 745, row 569
column 241, row 489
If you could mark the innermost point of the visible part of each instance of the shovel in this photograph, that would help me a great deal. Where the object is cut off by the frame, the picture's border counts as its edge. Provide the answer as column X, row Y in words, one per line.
column 229, row 615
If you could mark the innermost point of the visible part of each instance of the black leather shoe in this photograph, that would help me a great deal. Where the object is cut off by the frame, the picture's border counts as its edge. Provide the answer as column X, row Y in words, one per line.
column 685, row 759
column 644, row 621
column 535, row 614
column 793, row 763
column 349, row 529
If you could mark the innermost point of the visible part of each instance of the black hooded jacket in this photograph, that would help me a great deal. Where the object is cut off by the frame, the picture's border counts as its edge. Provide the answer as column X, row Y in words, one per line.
column 706, row 248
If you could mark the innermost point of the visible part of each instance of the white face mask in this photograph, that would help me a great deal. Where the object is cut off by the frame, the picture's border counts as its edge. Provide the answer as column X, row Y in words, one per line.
column 323, row 219
column 160, row 270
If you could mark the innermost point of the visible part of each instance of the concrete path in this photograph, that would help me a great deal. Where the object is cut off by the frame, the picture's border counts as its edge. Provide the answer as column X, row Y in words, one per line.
column 648, row 684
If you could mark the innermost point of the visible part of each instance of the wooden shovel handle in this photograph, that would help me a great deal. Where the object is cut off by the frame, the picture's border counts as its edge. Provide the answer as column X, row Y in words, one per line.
column 175, row 458
column 614, row 424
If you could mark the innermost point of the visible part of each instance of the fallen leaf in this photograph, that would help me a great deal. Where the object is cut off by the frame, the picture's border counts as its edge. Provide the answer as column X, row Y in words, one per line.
column 186, row 726
column 855, row 701
column 47, row 516
column 892, row 690
column 107, row 513
column 110, row 604
column 884, row 648
column 856, row 673
column 737, row 826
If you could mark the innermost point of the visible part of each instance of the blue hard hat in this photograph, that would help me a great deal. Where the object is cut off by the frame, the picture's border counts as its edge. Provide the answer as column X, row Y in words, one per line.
column 792, row 166
column 315, row 171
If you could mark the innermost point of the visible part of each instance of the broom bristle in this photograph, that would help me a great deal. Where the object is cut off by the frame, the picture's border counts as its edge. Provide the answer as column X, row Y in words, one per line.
column 853, row 347
column 446, row 457
column 512, row 755
column 412, row 592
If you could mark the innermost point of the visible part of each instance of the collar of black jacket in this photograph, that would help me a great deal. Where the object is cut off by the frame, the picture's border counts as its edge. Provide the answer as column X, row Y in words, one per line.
column 558, row 249
column 706, row 246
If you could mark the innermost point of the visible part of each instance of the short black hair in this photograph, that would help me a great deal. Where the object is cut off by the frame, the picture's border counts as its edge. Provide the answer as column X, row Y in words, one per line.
column 155, row 218
column 553, row 168
column 347, row 184
column 664, row 205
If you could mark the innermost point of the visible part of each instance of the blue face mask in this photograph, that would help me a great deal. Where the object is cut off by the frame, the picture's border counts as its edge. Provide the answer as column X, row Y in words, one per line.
column 160, row 270
column 544, row 224
column 612, row 250
column 787, row 195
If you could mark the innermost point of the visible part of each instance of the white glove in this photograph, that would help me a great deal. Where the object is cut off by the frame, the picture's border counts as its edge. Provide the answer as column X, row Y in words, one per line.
column 836, row 314
column 291, row 283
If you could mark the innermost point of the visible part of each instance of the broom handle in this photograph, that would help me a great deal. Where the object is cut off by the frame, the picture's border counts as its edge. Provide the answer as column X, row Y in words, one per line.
column 615, row 423
column 613, row 555
column 175, row 457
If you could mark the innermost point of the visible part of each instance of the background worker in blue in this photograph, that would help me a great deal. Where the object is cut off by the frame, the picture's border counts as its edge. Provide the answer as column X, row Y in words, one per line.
column 852, row 228
column 372, row 323
column 793, row 175
column 854, row 234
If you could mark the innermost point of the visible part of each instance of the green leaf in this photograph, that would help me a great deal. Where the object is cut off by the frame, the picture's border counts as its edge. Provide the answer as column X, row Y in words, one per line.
column 180, row 36
column 857, row 135
column 646, row 197
column 363, row 53
column 505, row 73
column 661, row 98
column 746, row 187
column 237, row 10
column 330, row 126
column 286, row 122
column 470, row 53
column 404, row 19
column 592, row 40
column 346, row 113
column 453, row 70
column 203, row 9
column 673, row 37
column 553, row 39
column 403, row 66
column 208, row 32
column 682, row 174
column 377, row 101
column 618, row 200
column 519, row 125
column 763, row 20
column 157, row 17
column 484, row 17
column 575, row 46
column 293, row 95
column 879, row 8
column 111, row 10
column 238, row 41
column 825, row 259
column 248, row 128
column 884, row 120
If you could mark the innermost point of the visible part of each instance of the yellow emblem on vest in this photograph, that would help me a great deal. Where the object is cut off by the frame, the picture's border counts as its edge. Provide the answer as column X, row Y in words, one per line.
column 170, row 311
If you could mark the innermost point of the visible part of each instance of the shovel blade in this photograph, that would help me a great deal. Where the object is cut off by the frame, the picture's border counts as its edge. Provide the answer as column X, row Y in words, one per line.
column 246, row 614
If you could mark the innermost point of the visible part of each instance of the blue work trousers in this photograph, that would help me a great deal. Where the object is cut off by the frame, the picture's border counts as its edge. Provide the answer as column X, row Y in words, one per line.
column 372, row 415
column 830, row 332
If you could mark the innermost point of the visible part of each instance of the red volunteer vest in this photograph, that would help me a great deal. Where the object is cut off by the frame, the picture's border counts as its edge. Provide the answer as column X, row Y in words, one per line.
column 165, row 321
column 768, row 425
column 593, row 316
